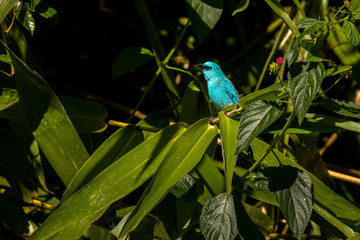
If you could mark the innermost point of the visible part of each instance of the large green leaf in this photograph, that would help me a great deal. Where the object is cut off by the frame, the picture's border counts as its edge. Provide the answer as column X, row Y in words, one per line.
column 204, row 15
column 327, row 203
column 47, row 119
column 228, row 134
column 304, row 82
column 181, row 158
column 256, row 117
column 293, row 190
column 116, row 181
column 342, row 107
column 130, row 58
column 112, row 149
column 5, row 8
column 218, row 218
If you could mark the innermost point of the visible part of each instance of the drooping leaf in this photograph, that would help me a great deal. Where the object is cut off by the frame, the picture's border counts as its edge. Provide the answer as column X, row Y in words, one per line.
column 116, row 181
column 8, row 97
column 304, row 82
column 351, row 32
column 293, row 190
column 5, row 8
column 5, row 58
column 243, row 4
column 48, row 121
column 256, row 117
column 130, row 58
column 181, row 158
column 342, row 107
column 218, row 218
column 204, row 15
column 337, row 70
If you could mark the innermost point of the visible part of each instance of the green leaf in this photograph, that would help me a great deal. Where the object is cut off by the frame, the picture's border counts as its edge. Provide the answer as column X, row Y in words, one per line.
column 351, row 33
column 24, row 16
column 333, row 71
column 314, row 53
column 130, row 58
column 116, row 181
column 86, row 116
column 304, row 82
column 243, row 4
column 306, row 23
column 256, row 117
column 293, row 190
column 355, row 236
column 327, row 203
column 342, row 107
column 334, row 122
column 5, row 8
column 8, row 97
column 218, row 218
column 204, row 15
column 47, row 119
column 354, row 5
column 181, row 158
column 119, row 143
column 228, row 133
column 45, row 10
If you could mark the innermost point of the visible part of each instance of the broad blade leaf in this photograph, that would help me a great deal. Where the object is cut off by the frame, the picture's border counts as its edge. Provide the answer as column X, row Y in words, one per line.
column 116, row 181
column 218, row 218
column 5, row 8
column 256, row 117
column 293, row 191
column 182, row 186
column 49, row 122
column 304, row 82
column 228, row 133
column 112, row 149
column 130, row 58
column 181, row 158
column 204, row 15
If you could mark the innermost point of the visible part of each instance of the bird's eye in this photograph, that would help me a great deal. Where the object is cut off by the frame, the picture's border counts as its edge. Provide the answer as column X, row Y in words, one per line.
column 207, row 67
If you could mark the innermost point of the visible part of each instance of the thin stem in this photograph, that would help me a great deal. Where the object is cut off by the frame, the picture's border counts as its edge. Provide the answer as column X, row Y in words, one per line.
column 336, row 15
column 272, row 53
column 329, row 88
column 269, row 149
column 141, row 128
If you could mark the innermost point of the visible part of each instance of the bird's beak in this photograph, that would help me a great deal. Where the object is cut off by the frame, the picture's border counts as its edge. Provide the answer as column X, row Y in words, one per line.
column 200, row 66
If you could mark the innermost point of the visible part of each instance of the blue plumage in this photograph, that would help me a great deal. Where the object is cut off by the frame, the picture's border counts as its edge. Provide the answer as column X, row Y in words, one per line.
column 221, row 91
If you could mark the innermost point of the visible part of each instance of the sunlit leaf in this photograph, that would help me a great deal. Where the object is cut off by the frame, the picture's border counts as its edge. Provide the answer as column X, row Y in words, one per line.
column 5, row 7
column 351, row 33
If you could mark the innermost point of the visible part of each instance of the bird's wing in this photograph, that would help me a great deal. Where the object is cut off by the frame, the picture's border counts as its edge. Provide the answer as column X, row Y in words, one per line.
column 231, row 92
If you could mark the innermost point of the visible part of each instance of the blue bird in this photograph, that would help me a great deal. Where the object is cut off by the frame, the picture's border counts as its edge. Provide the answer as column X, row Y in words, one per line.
column 221, row 91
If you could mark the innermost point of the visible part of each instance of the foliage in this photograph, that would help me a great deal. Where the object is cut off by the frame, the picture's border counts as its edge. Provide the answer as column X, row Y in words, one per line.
column 67, row 172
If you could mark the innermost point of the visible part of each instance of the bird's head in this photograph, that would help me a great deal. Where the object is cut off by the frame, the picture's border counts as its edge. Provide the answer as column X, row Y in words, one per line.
column 210, row 70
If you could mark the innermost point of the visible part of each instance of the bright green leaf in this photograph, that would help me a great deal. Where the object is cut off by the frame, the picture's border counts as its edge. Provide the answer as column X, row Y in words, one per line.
column 204, row 15
column 256, row 117
column 181, row 158
column 130, row 58
column 5, row 58
column 116, row 181
column 304, row 82
column 218, row 218
column 24, row 16
column 228, row 134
